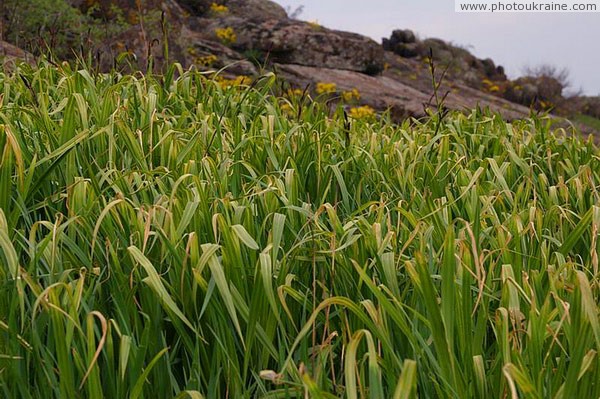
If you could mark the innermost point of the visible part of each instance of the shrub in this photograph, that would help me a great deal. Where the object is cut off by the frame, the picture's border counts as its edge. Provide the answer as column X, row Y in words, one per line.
column 40, row 25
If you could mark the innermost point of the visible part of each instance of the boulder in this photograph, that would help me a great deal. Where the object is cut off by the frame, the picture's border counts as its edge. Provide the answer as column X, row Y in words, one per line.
column 408, row 50
column 403, row 43
column 295, row 42
column 256, row 10
column 211, row 54
column 538, row 92
column 488, row 66
column 399, row 37
column 196, row 7
column 404, row 36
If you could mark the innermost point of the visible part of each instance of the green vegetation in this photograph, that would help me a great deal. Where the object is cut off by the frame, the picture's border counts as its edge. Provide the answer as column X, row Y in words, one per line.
column 588, row 120
column 168, row 237
column 55, row 28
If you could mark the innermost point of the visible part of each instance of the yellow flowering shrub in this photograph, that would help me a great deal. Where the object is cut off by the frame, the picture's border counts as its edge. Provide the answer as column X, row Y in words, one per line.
column 218, row 8
column 326, row 88
column 351, row 95
column 363, row 112
column 226, row 35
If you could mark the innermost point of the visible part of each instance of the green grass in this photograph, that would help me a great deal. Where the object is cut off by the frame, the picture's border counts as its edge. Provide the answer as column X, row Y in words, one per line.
column 163, row 237
column 588, row 120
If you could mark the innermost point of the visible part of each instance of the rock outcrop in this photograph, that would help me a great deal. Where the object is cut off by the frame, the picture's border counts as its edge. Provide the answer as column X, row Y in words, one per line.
column 296, row 42
column 403, row 42
column 387, row 93
column 538, row 92
column 257, row 10
column 462, row 65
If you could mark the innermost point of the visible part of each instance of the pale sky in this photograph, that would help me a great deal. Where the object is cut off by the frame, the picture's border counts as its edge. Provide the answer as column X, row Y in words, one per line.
column 513, row 40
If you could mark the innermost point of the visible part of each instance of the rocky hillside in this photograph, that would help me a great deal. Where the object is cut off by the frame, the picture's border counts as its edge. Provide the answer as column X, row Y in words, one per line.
column 246, row 37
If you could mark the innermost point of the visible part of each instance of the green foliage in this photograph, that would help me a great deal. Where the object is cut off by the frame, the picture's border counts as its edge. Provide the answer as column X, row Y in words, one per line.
column 588, row 120
column 167, row 237
column 56, row 28
column 42, row 24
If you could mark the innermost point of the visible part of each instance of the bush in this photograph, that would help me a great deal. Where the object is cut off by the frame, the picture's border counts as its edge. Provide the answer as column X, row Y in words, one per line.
column 41, row 24
column 549, row 71
column 59, row 27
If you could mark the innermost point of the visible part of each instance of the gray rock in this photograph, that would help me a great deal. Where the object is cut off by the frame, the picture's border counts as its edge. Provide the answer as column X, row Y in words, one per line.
column 386, row 93
column 295, row 42
column 534, row 91
column 399, row 36
column 199, row 48
column 408, row 50
column 256, row 10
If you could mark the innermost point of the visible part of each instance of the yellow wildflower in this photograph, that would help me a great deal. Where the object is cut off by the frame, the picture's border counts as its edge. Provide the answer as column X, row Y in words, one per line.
column 295, row 92
column 326, row 88
column 207, row 60
column 240, row 80
column 287, row 109
column 226, row 35
column 350, row 95
column 364, row 112
column 218, row 8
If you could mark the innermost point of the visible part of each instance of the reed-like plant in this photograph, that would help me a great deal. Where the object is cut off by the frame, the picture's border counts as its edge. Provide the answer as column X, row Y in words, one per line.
column 167, row 237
